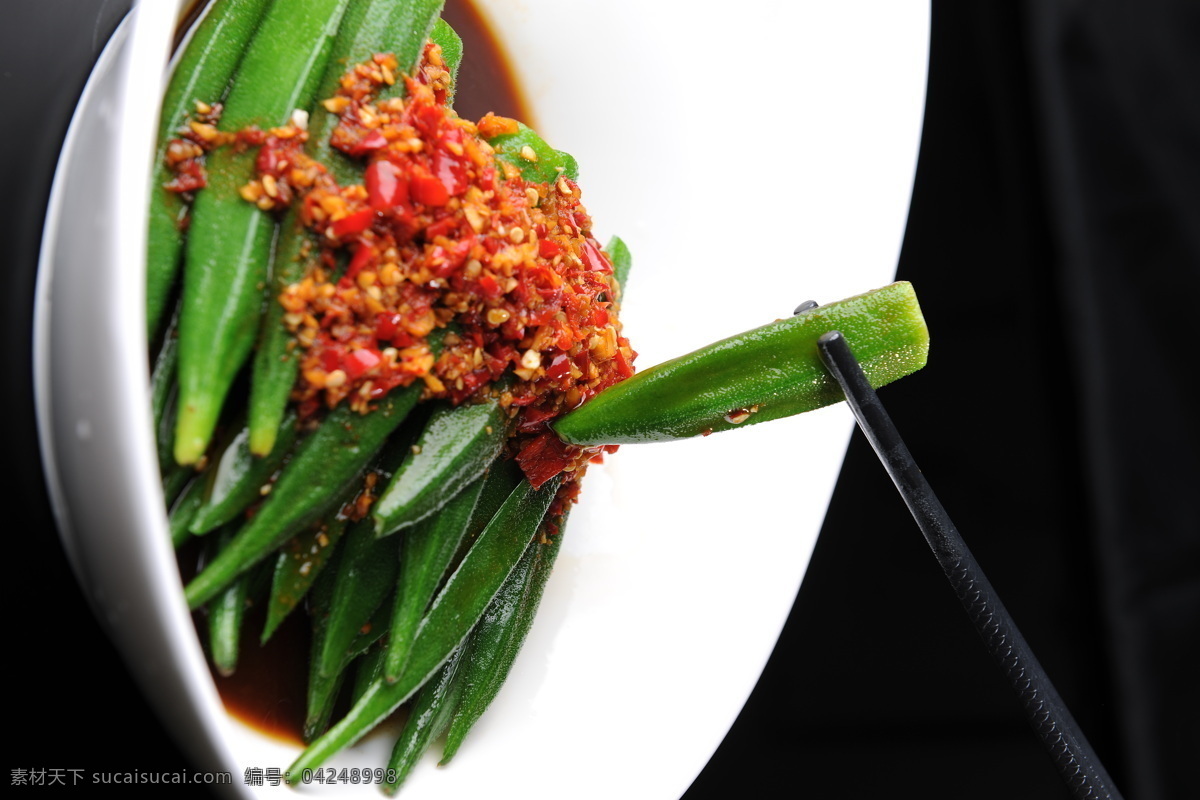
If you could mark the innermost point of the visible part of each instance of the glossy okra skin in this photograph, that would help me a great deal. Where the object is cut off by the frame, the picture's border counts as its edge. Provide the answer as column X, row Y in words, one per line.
column 300, row 561
column 453, row 614
column 767, row 373
column 427, row 718
column 431, row 546
column 229, row 240
column 183, row 510
column 365, row 577
column 455, row 448
column 237, row 479
column 326, row 466
column 497, row 639
column 426, row 551
column 225, row 615
column 202, row 73
column 368, row 27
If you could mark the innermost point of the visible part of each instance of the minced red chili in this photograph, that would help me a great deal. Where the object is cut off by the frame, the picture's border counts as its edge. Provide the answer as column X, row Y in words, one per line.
column 439, row 233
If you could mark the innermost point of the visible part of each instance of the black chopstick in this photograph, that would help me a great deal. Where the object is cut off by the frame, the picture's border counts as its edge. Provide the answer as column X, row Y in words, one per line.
column 1072, row 755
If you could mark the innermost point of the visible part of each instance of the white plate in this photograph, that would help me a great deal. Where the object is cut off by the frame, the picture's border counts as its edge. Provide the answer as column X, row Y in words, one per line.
column 752, row 157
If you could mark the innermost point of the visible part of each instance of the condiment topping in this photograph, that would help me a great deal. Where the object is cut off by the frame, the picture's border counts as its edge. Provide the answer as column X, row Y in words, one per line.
column 441, row 233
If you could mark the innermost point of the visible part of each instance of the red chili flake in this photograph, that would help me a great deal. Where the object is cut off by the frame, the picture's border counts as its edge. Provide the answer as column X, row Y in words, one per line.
column 543, row 457
column 593, row 258
column 386, row 325
column 548, row 248
column 369, row 144
column 386, row 185
column 450, row 171
column 364, row 254
column 360, row 361
column 427, row 189
column 354, row 222
column 560, row 367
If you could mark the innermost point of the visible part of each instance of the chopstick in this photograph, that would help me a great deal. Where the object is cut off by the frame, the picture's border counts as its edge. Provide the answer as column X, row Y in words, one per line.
column 1074, row 758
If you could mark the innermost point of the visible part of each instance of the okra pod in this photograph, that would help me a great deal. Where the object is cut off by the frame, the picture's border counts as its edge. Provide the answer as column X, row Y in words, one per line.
column 366, row 575
column 426, row 551
column 454, row 613
column 428, row 717
column 767, row 373
column 179, row 520
column 300, row 562
column 455, row 448
column 498, row 637
column 622, row 260
column 229, row 240
column 451, row 44
column 202, row 74
column 368, row 27
column 238, row 477
column 325, row 466
column 225, row 615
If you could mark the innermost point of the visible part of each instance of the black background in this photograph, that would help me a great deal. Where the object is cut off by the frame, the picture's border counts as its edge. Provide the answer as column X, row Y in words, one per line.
column 1054, row 239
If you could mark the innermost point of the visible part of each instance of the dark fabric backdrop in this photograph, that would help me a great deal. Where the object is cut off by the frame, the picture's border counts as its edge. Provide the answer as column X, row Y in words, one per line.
column 1054, row 239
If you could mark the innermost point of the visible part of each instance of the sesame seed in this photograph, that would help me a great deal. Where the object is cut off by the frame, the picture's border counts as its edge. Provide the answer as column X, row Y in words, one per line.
column 529, row 154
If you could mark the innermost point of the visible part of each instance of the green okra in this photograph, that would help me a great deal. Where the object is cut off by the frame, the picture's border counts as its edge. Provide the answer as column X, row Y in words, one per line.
column 174, row 481
column 238, row 477
column 326, row 465
column 549, row 163
column 179, row 520
column 453, row 614
column 300, row 561
column 455, row 448
column 426, row 551
column 368, row 27
column 324, row 469
column 322, row 688
column 498, row 637
column 366, row 575
column 428, row 717
column 367, row 670
column 366, row 570
column 229, row 240
column 225, row 615
column 202, row 74
column 767, row 373
column 162, row 385
column 452, row 50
